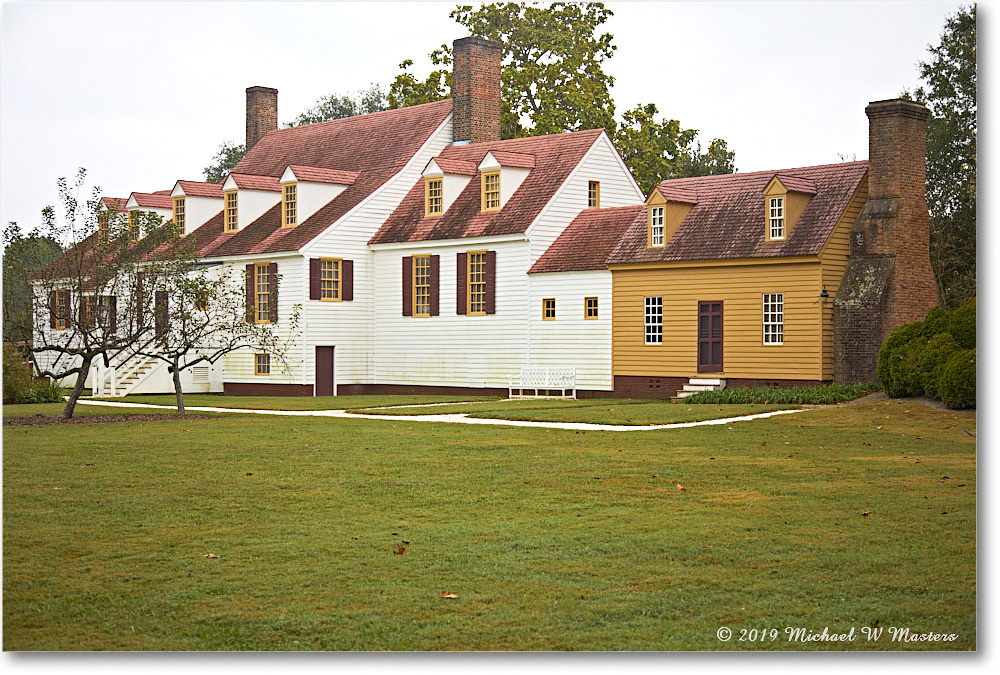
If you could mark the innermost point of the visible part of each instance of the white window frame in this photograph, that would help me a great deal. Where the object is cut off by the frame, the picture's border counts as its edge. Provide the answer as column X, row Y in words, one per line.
column 776, row 217
column 773, row 318
column 656, row 231
column 653, row 320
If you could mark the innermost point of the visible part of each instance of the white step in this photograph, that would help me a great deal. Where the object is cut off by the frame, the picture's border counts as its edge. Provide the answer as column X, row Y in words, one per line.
column 693, row 388
column 714, row 381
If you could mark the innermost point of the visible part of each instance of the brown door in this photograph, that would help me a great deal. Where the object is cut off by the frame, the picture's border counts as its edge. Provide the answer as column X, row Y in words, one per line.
column 324, row 371
column 710, row 336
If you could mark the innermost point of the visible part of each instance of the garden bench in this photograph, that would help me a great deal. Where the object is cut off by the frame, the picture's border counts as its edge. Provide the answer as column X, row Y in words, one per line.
column 542, row 382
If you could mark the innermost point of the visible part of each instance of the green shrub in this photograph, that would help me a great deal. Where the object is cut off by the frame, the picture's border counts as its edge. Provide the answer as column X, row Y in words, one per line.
column 904, row 376
column 892, row 350
column 937, row 321
column 957, row 384
column 932, row 357
column 831, row 393
column 16, row 375
column 44, row 392
column 963, row 324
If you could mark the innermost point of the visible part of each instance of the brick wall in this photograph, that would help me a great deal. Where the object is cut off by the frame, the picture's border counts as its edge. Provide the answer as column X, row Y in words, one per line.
column 262, row 113
column 475, row 90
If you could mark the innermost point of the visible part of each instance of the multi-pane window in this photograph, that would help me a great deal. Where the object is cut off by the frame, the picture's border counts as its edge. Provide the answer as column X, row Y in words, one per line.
column 133, row 225
column 201, row 300
column 435, row 196
column 179, row 210
column 262, row 364
column 232, row 213
column 262, row 288
column 88, row 310
column 62, row 310
column 593, row 194
column 103, row 225
column 774, row 318
column 590, row 308
column 290, row 204
column 421, row 285
column 654, row 320
column 776, row 217
column 477, row 283
column 329, row 279
column 656, row 226
column 549, row 309
column 491, row 191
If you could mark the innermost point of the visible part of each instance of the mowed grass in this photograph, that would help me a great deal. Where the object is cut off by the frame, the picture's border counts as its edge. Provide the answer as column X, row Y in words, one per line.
column 551, row 539
column 294, row 402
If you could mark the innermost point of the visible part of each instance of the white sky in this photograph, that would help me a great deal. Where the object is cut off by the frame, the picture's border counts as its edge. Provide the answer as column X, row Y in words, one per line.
column 142, row 94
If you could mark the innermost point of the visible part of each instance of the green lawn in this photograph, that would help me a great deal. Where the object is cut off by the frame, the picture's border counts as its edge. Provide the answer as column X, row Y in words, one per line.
column 551, row 539
column 295, row 402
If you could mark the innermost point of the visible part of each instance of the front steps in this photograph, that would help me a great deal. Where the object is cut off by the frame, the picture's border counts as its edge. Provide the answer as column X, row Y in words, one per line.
column 697, row 384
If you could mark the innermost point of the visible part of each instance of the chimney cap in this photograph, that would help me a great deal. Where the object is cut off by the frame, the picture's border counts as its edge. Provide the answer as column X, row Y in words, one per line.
column 269, row 90
column 897, row 107
column 477, row 41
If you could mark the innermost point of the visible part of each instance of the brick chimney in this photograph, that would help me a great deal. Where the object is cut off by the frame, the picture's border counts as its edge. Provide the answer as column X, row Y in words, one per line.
column 262, row 113
column 889, row 280
column 475, row 90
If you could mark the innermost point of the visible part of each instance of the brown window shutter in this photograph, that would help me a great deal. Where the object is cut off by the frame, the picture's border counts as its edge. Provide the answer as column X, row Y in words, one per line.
column 461, row 281
column 347, row 280
column 491, row 282
column 52, row 309
column 82, row 312
column 161, row 316
column 272, row 301
column 251, row 305
column 137, row 306
column 407, row 286
column 112, row 309
column 314, row 289
column 435, row 272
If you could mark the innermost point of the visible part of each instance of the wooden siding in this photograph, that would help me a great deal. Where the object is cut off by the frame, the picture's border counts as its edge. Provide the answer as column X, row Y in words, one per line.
column 834, row 258
column 740, row 287
column 572, row 340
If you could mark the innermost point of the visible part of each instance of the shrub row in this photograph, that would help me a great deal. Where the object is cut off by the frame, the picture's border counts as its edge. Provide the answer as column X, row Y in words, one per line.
column 19, row 386
column 935, row 357
column 830, row 393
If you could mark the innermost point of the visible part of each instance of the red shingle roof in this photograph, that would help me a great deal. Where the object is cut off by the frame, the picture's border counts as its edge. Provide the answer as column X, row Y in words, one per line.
column 194, row 188
column 515, row 160
column 673, row 193
column 114, row 203
column 556, row 156
column 312, row 174
column 152, row 200
column 728, row 220
column 587, row 241
column 797, row 184
column 247, row 182
column 455, row 167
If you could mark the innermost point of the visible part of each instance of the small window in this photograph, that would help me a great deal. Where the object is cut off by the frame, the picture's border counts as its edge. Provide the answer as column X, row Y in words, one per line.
column 232, row 213
column 103, row 225
column 88, row 311
column 329, row 279
column 179, row 210
column 549, row 309
column 133, row 225
column 594, row 194
column 262, row 284
column 774, row 318
column 421, row 285
column 776, row 211
column 262, row 364
column 62, row 310
column 201, row 300
column 590, row 308
column 656, row 226
column 491, row 191
column 654, row 320
column 477, row 282
column 290, row 205
column 435, row 199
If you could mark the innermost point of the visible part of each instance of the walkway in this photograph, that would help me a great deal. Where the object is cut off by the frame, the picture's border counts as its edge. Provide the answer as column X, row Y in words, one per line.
column 456, row 418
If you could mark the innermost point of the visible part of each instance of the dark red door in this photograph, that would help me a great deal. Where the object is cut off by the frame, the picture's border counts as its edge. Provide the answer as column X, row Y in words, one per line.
column 324, row 371
column 710, row 336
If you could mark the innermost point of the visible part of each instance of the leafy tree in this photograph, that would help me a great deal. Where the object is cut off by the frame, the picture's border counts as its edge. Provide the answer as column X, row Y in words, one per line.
column 406, row 90
column 228, row 156
column 22, row 257
column 949, row 92
column 335, row 107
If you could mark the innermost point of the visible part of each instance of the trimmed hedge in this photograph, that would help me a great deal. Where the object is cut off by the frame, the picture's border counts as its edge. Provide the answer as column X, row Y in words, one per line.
column 19, row 386
column 958, row 380
column 830, row 393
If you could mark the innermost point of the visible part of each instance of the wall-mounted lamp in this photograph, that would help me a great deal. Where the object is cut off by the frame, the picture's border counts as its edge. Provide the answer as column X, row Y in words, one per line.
column 824, row 294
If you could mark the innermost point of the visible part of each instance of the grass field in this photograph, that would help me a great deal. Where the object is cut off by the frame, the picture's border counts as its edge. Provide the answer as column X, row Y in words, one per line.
column 551, row 539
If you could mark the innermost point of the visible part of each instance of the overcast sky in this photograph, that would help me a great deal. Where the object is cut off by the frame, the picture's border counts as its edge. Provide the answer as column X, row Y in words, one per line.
column 142, row 94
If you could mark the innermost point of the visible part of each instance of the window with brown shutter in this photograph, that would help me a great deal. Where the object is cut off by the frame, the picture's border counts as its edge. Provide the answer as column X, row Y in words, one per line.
column 347, row 285
column 251, row 304
column 161, row 315
column 461, row 279
column 272, row 301
column 407, row 286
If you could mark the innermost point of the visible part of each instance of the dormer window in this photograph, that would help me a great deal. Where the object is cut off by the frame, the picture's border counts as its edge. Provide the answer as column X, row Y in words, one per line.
column 656, row 226
column 232, row 212
column 289, row 205
column 491, row 191
column 434, row 196
column 776, row 217
column 179, row 210
column 103, row 225
column 593, row 194
column 133, row 225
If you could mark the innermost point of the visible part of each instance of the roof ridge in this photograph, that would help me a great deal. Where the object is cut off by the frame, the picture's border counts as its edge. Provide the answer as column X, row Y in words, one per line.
column 766, row 172
column 370, row 115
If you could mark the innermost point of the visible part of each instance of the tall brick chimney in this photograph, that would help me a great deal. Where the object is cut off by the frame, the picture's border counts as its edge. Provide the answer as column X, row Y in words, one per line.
column 889, row 280
column 475, row 90
column 262, row 113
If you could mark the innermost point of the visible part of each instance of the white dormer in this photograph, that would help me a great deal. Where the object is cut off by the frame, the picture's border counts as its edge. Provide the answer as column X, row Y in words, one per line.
column 246, row 198
column 502, row 173
column 159, row 203
column 195, row 203
column 444, row 180
column 307, row 189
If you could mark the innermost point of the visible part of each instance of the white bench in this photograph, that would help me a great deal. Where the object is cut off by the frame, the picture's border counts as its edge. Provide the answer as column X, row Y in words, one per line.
column 538, row 380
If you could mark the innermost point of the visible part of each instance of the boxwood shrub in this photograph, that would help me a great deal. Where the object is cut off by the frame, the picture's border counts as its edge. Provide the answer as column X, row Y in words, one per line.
column 957, row 385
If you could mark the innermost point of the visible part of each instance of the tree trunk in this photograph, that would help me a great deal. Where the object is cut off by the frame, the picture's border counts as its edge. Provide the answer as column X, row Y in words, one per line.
column 177, row 388
column 81, row 380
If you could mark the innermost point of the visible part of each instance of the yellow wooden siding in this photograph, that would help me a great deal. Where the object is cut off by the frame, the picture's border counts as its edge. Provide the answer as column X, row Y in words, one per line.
column 834, row 258
column 740, row 287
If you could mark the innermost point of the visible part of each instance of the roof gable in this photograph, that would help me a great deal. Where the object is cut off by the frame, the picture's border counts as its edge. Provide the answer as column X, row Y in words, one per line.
column 586, row 243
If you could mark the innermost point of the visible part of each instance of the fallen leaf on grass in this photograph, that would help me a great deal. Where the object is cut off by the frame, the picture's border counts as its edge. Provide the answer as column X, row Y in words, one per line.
column 400, row 550
column 878, row 427
column 210, row 555
column 764, row 443
column 866, row 513
column 249, row 474
column 450, row 596
column 681, row 488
